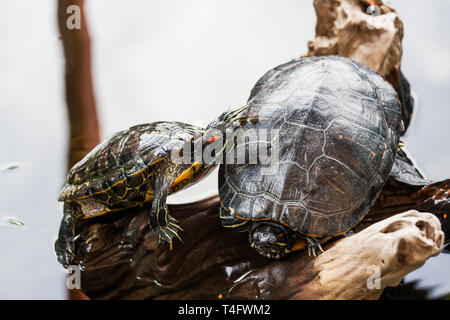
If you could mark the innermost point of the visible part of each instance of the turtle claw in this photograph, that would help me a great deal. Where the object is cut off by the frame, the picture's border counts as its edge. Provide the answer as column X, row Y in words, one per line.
column 167, row 232
column 313, row 244
column 174, row 223
column 320, row 248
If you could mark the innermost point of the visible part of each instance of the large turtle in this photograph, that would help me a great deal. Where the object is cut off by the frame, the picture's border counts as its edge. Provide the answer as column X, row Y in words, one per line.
column 136, row 166
column 338, row 126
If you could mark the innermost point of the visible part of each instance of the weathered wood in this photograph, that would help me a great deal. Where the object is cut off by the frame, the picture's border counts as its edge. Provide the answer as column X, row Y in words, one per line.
column 84, row 132
column 80, row 98
column 357, row 267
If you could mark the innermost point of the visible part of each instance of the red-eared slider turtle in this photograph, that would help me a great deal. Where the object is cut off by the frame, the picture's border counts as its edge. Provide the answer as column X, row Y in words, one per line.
column 338, row 126
column 136, row 166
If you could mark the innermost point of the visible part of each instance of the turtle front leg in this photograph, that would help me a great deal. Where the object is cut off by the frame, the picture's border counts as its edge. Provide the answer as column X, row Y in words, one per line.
column 313, row 243
column 162, row 224
column 65, row 244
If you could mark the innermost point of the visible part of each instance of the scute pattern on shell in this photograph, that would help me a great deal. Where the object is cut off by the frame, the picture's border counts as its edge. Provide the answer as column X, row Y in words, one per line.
column 339, row 125
column 123, row 154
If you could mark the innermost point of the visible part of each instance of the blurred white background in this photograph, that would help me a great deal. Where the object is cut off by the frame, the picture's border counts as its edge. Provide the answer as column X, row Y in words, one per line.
column 171, row 60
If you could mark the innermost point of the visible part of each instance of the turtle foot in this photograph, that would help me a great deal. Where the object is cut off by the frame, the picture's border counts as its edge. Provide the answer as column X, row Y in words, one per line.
column 168, row 231
column 313, row 245
column 65, row 244
column 65, row 254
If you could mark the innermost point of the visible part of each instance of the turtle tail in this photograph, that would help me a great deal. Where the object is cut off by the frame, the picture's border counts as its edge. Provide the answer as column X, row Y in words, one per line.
column 64, row 245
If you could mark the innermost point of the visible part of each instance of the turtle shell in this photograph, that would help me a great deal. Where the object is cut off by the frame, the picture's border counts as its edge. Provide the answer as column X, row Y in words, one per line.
column 338, row 125
column 117, row 172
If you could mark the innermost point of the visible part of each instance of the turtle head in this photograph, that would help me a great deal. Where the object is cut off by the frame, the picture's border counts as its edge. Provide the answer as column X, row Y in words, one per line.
column 214, row 141
column 223, row 122
column 270, row 239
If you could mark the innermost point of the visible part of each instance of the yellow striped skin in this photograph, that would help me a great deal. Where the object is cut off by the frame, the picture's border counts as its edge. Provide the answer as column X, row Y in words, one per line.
column 186, row 178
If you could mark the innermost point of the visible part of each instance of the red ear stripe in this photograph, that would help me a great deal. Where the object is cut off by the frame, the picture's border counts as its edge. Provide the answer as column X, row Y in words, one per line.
column 212, row 139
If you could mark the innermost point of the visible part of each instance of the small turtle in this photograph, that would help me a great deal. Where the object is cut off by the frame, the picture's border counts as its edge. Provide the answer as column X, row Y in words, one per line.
column 136, row 166
column 338, row 125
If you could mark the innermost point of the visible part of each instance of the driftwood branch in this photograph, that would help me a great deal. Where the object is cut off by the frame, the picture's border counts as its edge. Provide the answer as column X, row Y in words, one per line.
column 357, row 267
column 84, row 132
column 80, row 99
column 121, row 257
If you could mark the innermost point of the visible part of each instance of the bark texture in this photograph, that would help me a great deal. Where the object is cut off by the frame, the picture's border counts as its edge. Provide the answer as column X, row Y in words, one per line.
column 81, row 108
column 84, row 132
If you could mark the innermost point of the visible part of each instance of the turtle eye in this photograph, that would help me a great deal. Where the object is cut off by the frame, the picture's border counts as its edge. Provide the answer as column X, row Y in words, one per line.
column 373, row 9
column 212, row 139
